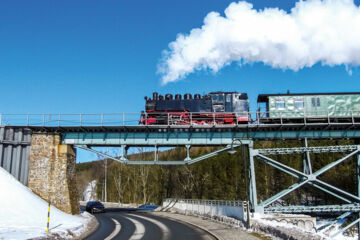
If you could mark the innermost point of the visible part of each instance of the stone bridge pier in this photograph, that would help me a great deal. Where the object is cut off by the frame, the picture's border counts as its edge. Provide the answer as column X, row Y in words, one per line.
column 52, row 171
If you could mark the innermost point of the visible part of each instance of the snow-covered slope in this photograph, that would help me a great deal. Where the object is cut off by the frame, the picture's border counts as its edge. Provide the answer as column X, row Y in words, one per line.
column 24, row 215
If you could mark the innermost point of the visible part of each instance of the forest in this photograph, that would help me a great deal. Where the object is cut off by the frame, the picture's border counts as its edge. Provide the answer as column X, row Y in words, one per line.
column 224, row 176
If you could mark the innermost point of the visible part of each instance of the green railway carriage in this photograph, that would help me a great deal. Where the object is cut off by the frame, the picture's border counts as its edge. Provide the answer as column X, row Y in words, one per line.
column 317, row 107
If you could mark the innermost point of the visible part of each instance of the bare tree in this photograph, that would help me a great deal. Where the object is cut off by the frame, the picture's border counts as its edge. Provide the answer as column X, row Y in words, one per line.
column 105, row 180
column 144, row 177
column 200, row 183
column 120, row 182
column 186, row 181
column 104, row 163
column 134, row 186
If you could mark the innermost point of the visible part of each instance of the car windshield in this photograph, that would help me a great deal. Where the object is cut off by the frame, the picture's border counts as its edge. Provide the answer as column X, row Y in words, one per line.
column 95, row 204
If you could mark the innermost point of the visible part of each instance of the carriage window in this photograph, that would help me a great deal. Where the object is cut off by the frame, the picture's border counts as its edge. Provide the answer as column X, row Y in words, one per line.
column 280, row 104
column 221, row 98
column 299, row 103
column 215, row 97
column 315, row 102
column 228, row 98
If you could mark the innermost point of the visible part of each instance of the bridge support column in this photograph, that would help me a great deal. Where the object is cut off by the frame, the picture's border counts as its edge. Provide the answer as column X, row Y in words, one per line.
column 252, row 184
column 52, row 171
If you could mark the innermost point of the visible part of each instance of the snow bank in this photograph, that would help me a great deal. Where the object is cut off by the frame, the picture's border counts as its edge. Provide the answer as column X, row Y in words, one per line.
column 285, row 230
column 23, row 214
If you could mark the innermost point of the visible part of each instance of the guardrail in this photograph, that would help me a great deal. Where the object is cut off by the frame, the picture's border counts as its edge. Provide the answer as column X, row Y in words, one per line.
column 232, row 203
column 210, row 208
column 183, row 118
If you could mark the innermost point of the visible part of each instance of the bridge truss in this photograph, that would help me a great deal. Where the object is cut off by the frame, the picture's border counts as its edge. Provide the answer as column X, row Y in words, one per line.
column 230, row 139
column 310, row 177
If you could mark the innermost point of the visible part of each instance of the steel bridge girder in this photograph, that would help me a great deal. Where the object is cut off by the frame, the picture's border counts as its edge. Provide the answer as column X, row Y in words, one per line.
column 299, row 150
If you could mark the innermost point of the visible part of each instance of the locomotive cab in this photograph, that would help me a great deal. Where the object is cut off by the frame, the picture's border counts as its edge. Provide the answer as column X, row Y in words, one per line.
column 231, row 102
column 218, row 103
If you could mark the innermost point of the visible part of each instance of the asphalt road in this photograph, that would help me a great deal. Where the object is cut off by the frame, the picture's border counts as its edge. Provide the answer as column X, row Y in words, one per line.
column 131, row 224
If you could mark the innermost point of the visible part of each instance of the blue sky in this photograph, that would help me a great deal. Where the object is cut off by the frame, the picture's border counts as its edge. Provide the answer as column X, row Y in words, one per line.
column 101, row 56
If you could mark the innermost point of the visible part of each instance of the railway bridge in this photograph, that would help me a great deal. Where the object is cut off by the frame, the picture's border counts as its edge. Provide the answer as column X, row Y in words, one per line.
column 39, row 150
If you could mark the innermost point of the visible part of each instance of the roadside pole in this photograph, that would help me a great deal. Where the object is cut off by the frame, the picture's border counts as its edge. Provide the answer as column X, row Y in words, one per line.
column 50, row 193
column 48, row 218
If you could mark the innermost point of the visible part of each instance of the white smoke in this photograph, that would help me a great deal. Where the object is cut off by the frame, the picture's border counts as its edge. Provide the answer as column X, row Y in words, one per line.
column 326, row 31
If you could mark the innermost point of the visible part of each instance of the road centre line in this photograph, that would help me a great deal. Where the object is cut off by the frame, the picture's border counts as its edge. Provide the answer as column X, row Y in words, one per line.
column 116, row 231
column 165, row 230
column 139, row 229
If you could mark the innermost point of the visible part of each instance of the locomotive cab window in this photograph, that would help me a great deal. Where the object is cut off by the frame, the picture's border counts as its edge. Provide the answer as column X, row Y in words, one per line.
column 315, row 102
column 299, row 103
column 228, row 98
column 218, row 98
column 280, row 104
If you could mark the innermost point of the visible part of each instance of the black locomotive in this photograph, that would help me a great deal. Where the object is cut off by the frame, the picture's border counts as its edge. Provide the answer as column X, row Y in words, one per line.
column 213, row 108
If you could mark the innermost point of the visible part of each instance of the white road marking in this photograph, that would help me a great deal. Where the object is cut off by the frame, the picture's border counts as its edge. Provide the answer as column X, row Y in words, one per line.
column 116, row 231
column 165, row 230
column 139, row 229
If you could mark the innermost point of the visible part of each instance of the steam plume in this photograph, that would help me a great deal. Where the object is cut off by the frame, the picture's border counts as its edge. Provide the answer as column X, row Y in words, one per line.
column 326, row 31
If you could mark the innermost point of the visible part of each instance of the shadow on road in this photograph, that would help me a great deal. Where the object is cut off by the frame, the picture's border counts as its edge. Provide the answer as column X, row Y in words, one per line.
column 120, row 209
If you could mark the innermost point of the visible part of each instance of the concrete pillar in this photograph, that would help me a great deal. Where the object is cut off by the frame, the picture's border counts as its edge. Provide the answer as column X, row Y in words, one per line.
column 52, row 171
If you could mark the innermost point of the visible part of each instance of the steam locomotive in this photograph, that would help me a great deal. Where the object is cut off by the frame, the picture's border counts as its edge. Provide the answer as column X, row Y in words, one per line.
column 229, row 108
column 214, row 108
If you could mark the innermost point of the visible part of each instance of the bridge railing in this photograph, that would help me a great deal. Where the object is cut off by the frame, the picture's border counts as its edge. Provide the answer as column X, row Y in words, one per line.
column 183, row 118
column 63, row 120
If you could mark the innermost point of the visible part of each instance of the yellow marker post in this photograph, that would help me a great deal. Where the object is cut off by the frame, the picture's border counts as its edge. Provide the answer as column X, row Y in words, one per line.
column 48, row 218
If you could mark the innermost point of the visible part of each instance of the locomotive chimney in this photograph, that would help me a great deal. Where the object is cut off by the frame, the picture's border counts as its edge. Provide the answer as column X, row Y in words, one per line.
column 161, row 97
column 187, row 96
column 197, row 96
column 168, row 96
column 178, row 97
column 155, row 96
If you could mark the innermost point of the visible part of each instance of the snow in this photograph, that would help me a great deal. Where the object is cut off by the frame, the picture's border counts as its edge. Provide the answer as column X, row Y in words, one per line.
column 334, row 229
column 23, row 214
column 321, row 234
column 90, row 194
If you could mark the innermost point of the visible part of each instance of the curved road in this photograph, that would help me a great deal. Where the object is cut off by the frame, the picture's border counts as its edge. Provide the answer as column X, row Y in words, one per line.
column 133, row 225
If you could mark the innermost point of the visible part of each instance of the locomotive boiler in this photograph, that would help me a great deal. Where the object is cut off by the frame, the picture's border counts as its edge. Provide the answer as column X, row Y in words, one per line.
column 221, row 108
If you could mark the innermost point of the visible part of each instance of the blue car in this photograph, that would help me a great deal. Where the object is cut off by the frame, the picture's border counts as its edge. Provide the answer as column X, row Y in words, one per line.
column 94, row 207
column 149, row 207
